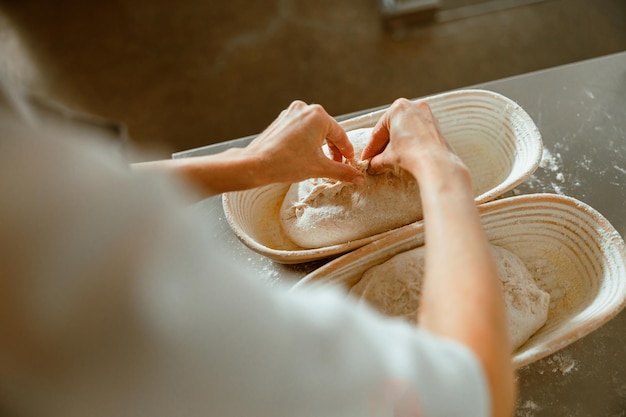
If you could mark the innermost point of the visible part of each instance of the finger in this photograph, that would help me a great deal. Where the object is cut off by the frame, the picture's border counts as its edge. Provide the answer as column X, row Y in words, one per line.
column 335, row 153
column 281, row 115
column 377, row 165
column 338, row 141
column 293, row 110
column 379, row 140
column 295, row 105
column 341, row 172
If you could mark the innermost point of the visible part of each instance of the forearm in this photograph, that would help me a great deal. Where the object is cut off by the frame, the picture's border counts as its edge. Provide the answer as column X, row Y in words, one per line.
column 459, row 258
column 457, row 250
column 462, row 295
column 231, row 170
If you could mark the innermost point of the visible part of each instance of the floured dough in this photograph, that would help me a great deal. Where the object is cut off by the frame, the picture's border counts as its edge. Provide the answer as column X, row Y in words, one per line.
column 322, row 212
column 394, row 288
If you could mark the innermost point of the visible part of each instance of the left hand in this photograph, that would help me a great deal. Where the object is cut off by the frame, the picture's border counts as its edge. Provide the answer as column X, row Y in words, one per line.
column 290, row 148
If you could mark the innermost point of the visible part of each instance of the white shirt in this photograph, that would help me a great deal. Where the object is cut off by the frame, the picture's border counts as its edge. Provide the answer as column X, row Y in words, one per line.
column 133, row 312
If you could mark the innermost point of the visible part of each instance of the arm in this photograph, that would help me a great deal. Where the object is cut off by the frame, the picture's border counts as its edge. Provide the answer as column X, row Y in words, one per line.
column 289, row 150
column 462, row 297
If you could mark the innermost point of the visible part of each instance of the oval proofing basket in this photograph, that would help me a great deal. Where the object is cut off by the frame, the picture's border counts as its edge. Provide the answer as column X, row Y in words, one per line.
column 573, row 253
column 494, row 137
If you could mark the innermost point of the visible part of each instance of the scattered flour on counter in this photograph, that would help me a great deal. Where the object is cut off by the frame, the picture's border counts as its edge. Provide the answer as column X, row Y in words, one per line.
column 273, row 273
column 266, row 270
column 527, row 409
column 270, row 275
column 550, row 162
column 562, row 363
column 585, row 162
column 558, row 363
column 551, row 165
column 620, row 169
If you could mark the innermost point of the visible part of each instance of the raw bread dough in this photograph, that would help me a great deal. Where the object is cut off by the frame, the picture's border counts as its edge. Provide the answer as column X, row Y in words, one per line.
column 394, row 288
column 322, row 212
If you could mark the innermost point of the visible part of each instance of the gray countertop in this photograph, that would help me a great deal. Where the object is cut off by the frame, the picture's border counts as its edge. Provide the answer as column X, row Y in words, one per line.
column 580, row 110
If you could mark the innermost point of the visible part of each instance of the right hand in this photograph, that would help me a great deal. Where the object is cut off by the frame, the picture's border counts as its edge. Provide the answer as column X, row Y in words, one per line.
column 407, row 129
column 461, row 293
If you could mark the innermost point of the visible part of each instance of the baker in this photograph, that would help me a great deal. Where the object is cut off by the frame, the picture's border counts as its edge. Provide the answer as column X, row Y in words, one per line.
column 113, row 302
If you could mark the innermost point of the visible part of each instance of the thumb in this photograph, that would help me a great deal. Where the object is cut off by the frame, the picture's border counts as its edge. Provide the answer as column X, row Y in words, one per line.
column 377, row 165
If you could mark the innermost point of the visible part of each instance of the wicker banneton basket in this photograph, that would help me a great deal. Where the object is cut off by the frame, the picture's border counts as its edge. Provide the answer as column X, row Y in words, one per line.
column 571, row 250
column 494, row 137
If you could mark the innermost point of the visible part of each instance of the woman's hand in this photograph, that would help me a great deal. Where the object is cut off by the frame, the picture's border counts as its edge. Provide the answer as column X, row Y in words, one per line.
column 289, row 150
column 461, row 294
column 405, row 132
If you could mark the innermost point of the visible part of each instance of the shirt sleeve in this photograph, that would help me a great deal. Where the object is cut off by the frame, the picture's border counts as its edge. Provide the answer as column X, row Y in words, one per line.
column 127, row 308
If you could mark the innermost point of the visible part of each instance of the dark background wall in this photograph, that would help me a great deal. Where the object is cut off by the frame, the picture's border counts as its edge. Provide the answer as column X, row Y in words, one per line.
column 188, row 73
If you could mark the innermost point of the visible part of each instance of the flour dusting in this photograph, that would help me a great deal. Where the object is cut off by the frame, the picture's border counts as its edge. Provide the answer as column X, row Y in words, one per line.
column 620, row 169
column 527, row 409
column 562, row 363
column 551, row 164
